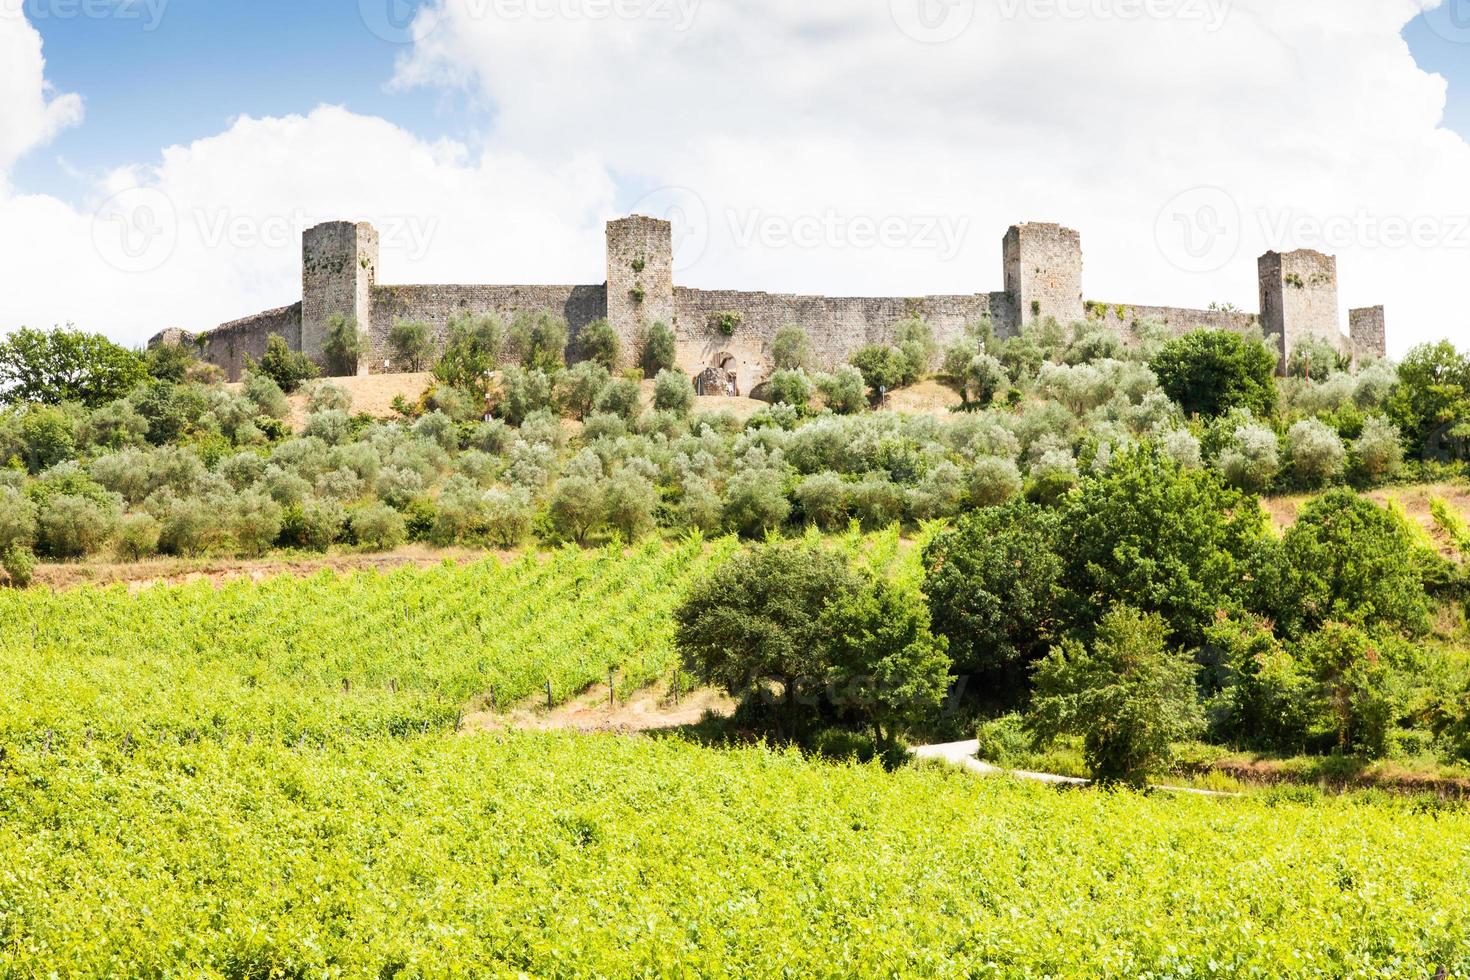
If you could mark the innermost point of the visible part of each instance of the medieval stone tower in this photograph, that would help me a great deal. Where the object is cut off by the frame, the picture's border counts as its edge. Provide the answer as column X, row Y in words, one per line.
column 339, row 267
column 1299, row 299
column 1043, row 272
column 640, row 277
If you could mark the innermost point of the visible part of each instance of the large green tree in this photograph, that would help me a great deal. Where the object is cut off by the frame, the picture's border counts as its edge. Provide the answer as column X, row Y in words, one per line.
column 1431, row 403
column 55, row 366
column 1210, row 372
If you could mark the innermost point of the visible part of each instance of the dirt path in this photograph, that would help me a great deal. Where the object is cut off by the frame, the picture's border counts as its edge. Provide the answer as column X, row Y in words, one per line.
column 651, row 709
column 964, row 754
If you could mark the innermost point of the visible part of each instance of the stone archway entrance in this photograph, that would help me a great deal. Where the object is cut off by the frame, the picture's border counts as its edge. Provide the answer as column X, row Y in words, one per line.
column 721, row 377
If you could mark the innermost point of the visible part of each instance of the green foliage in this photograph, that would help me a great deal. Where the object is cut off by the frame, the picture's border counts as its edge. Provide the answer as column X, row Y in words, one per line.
column 726, row 322
column 577, row 388
column 170, row 362
column 620, row 397
column 1431, row 403
column 523, row 392
column 843, row 390
column 883, row 368
column 287, row 368
column 412, row 342
column 472, row 345
column 790, row 387
column 576, row 507
column 344, row 345
column 1348, row 560
column 1211, row 372
column 1316, row 358
column 660, row 350
column 1126, row 694
column 1151, row 534
column 791, row 349
column 994, row 587
column 378, row 527
column 20, row 565
column 599, row 342
column 982, row 378
column 673, row 392
column 51, row 367
column 755, row 503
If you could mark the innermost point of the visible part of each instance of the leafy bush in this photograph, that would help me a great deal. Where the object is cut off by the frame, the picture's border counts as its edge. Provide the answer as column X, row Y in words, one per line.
column 378, row 527
column 1211, row 372
column 982, row 378
column 20, row 565
column 843, row 390
column 994, row 481
column 1316, row 452
column 577, row 389
column 17, row 520
column 507, row 515
column 755, row 502
column 1379, row 450
column 344, row 345
column 471, row 352
column 791, row 349
column 576, row 507
column 629, row 501
column 789, row 387
column 412, row 342
column 883, row 368
column 1253, row 460
column 673, row 392
column 268, row 397
column 287, row 368
column 56, row 366
column 138, row 536
column 660, row 350
column 823, row 500
column 619, row 397
column 73, row 526
column 255, row 522
column 1126, row 694
column 599, row 343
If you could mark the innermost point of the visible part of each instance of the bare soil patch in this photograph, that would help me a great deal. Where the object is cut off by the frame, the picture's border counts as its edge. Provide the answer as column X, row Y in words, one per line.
column 651, row 709
column 928, row 397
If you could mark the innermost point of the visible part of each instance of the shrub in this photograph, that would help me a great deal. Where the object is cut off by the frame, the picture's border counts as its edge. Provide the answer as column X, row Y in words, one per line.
column 1126, row 694
column 983, row 378
column 994, row 481
column 343, row 345
column 17, row 520
column 323, row 396
column 619, row 397
column 1316, row 452
column 1211, row 372
column 1348, row 560
column 600, row 343
column 755, row 502
column 576, row 507
column 577, row 389
column 1315, row 358
column 138, row 536
column 113, row 426
column 287, row 368
column 255, row 522
column 412, row 342
column 604, row 426
column 74, row 526
column 377, row 527
column 883, row 368
column 507, row 515
column 673, row 392
column 994, row 587
column 493, row 437
column 523, row 392
column 1379, row 450
column 191, row 526
column 629, row 502
column 941, row 493
column 471, row 351
column 438, row 428
column 538, row 341
column 20, row 565
column 1183, row 447
column 915, row 340
column 790, row 387
column 791, row 349
column 268, row 397
column 1254, row 459
column 315, row 525
column 1358, row 696
column 331, row 427
column 842, row 390
column 397, row 485
column 876, row 501
column 460, row 511
column 822, row 498
column 660, row 350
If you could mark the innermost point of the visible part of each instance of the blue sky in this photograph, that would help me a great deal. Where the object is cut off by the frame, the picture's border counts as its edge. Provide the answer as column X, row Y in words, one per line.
column 205, row 62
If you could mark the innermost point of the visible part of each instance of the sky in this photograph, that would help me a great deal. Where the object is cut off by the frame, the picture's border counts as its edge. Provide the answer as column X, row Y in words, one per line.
column 159, row 158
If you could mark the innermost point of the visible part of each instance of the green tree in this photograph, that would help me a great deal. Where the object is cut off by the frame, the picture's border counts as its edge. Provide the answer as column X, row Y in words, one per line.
column 790, row 387
column 1164, row 539
column 1348, row 560
column 883, row 368
column 344, row 345
column 1127, row 695
column 1359, row 695
column 673, row 392
column 170, row 362
column 599, row 342
column 994, row 587
column 791, row 349
column 287, row 368
column 1210, row 372
column 660, row 350
column 471, row 352
column 1431, row 402
column 55, row 366
column 412, row 341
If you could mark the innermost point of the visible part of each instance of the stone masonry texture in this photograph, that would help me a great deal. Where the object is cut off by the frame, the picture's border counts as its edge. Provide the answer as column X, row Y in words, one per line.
column 733, row 330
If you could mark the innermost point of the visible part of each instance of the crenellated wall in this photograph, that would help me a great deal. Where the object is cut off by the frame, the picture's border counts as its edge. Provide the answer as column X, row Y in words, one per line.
column 734, row 329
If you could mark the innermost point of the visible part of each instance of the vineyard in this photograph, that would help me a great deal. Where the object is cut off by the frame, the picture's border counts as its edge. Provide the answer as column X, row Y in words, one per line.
column 264, row 780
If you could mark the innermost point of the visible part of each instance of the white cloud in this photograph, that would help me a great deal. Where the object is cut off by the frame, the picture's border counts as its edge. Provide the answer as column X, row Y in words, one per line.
column 30, row 112
column 1095, row 113
column 811, row 134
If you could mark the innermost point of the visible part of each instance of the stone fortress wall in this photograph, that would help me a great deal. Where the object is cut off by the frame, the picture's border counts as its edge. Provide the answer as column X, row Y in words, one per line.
column 734, row 330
